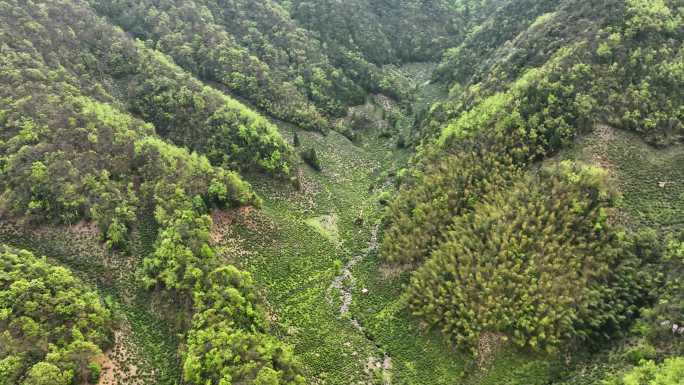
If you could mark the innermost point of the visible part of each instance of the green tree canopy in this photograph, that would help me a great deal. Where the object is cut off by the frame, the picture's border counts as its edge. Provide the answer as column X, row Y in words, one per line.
column 52, row 326
column 538, row 262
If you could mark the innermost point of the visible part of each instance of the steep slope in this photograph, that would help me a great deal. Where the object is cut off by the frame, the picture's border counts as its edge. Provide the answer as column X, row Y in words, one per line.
column 84, row 107
column 626, row 53
column 509, row 215
column 384, row 31
column 91, row 124
column 545, row 108
column 257, row 51
column 524, row 86
column 54, row 326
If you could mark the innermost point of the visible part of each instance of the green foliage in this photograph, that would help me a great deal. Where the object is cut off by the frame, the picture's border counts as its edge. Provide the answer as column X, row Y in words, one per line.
column 242, row 138
column 656, row 323
column 533, row 262
column 669, row 372
column 109, row 128
column 103, row 62
column 70, row 148
column 540, row 113
column 52, row 326
column 309, row 156
column 650, row 17
column 492, row 26
column 181, row 253
column 525, row 103
column 98, row 126
column 640, row 352
column 95, row 370
column 220, row 355
column 384, row 198
column 626, row 56
column 44, row 373
column 227, row 342
column 295, row 73
column 383, row 33
column 429, row 201
column 224, row 129
column 11, row 368
column 108, row 180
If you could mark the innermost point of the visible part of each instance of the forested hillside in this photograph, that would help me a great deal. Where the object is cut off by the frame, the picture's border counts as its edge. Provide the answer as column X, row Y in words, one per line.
column 485, row 223
column 473, row 192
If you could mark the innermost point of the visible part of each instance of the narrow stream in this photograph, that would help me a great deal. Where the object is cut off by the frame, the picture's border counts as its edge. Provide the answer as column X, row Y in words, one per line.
column 345, row 296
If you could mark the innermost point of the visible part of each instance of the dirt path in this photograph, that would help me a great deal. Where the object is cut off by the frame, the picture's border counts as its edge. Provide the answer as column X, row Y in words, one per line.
column 344, row 284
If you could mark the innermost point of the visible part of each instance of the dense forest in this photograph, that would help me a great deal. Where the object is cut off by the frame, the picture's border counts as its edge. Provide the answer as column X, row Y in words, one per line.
column 474, row 192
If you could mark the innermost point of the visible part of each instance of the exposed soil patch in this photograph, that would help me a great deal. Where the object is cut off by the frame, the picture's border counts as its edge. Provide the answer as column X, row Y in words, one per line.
column 119, row 365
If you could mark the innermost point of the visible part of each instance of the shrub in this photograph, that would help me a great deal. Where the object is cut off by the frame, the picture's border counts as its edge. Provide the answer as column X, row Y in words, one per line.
column 309, row 156
column 670, row 372
column 384, row 198
column 642, row 351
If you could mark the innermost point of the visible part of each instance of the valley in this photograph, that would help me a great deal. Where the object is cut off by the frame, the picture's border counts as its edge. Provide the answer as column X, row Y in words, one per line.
column 291, row 192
